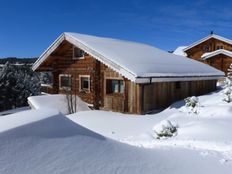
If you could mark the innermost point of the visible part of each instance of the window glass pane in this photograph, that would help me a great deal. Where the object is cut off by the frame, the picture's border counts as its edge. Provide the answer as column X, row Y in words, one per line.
column 115, row 86
column 121, row 86
column 78, row 53
column 85, row 83
column 65, row 81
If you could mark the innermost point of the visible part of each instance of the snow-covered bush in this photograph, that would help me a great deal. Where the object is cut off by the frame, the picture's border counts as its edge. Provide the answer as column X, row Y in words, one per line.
column 192, row 103
column 227, row 94
column 228, row 86
column 165, row 129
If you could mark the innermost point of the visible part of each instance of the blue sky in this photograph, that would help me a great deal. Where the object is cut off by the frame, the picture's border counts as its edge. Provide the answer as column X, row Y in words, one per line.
column 28, row 27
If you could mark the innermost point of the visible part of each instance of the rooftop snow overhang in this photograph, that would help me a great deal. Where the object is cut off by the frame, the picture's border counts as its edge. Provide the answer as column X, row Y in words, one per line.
column 65, row 36
column 207, row 38
column 215, row 53
column 177, row 78
column 142, row 78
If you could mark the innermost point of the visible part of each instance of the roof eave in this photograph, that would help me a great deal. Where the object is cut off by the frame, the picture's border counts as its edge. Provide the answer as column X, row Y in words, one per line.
column 206, row 38
column 66, row 36
column 216, row 53
column 48, row 51
column 143, row 80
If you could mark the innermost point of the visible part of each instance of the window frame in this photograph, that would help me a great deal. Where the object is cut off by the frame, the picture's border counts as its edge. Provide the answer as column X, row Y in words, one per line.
column 80, row 83
column 65, row 87
column 73, row 54
column 220, row 47
column 119, row 87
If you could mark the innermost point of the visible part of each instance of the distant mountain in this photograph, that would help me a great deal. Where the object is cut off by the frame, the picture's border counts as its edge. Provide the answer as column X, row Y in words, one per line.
column 15, row 60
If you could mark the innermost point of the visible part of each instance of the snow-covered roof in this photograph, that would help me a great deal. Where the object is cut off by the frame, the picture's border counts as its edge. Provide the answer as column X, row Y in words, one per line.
column 180, row 51
column 207, row 38
column 217, row 52
column 138, row 62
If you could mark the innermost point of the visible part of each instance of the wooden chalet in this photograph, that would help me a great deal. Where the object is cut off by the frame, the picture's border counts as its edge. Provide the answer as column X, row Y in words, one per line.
column 123, row 76
column 213, row 50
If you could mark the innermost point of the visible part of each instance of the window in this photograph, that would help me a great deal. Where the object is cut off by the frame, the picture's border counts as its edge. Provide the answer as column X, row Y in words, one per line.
column 78, row 53
column 65, row 81
column 206, row 48
column 84, row 84
column 114, row 86
column 219, row 47
column 177, row 85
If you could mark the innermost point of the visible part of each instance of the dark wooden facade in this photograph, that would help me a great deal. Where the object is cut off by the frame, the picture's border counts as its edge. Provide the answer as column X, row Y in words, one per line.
column 136, row 98
column 221, row 62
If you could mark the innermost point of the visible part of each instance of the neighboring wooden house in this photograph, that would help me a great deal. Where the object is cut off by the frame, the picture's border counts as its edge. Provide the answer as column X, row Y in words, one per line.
column 123, row 76
column 213, row 50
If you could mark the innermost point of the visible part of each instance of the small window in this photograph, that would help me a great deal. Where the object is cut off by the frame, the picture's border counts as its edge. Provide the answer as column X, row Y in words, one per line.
column 220, row 47
column 114, row 86
column 78, row 53
column 177, row 85
column 84, row 83
column 206, row 48
column 65, row 81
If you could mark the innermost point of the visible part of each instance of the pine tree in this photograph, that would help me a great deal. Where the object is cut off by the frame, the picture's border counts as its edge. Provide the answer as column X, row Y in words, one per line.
column 17, row 83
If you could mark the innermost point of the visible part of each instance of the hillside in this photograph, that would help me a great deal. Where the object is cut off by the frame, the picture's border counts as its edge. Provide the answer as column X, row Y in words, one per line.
column 15, row 60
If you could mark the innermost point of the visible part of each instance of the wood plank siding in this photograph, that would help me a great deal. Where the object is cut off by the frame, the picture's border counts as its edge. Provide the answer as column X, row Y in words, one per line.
column 220, row 62
column 135, row 98
column 161, row 95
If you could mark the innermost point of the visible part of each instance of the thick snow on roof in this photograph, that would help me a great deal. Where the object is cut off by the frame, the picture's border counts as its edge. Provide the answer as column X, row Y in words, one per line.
column 56, row 101
column 217, row 52
column 180, row 51
column 209, row 37
column 135, row 60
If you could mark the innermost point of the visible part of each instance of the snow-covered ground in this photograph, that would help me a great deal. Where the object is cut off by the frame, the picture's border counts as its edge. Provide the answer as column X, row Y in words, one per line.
column 46, row 141
column 12, row 111
column 208, row 130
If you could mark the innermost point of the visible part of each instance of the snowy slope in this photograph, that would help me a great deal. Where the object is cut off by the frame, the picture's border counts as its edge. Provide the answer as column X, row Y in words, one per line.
column 12, row 111
column 51, row 143
column 209, row 130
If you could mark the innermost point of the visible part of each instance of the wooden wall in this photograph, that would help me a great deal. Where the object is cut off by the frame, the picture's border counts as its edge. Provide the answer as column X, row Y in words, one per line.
column 63, row 63
column 129, row 102
column 162, row 94
column 220, row 62
column 137, row 98
column 197, row 51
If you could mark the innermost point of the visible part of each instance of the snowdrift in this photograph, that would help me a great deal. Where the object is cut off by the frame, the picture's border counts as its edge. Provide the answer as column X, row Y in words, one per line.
column 55, row 101
column 48, row 142
column 206, row 129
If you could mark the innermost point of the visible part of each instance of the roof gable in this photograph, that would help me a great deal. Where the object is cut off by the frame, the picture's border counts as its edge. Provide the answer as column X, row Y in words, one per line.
column 207, row 38
column 215, row 53
column 133, row 60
